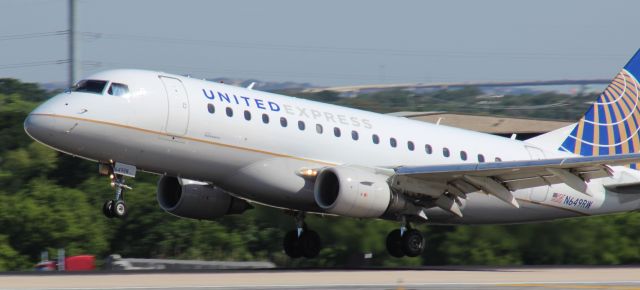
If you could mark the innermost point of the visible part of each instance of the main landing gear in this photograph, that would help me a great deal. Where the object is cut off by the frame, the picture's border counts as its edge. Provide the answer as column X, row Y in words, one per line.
column 115, row 208
column 301, row 242
column 405, row 241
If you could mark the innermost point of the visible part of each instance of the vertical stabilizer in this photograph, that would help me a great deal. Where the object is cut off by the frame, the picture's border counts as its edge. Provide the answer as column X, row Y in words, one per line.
column 612, row 123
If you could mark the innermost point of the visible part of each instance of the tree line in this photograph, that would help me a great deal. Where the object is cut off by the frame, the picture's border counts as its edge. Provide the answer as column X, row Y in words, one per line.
column 50, row 200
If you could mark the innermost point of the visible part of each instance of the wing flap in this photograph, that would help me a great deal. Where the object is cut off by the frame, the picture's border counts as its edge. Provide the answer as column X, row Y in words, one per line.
column 500, row 178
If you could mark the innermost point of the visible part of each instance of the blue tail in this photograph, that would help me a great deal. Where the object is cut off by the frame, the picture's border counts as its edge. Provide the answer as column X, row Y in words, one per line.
column 611, row 125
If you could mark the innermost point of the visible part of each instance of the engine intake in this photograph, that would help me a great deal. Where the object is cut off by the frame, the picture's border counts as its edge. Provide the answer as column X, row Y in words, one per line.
column 197, row 200
column 351, row 191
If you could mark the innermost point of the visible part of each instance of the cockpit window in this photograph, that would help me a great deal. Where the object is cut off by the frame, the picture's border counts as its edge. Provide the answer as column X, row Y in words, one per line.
column 90, row 86
column 117, row 89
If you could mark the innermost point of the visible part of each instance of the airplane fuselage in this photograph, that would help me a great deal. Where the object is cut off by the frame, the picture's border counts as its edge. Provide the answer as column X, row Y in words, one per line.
column 253, row 144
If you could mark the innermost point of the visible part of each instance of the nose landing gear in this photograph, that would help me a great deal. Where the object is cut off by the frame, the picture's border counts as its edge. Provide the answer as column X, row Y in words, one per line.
column 116, row 208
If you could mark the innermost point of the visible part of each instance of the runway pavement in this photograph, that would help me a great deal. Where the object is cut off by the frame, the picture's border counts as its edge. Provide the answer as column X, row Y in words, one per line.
column 418, row 278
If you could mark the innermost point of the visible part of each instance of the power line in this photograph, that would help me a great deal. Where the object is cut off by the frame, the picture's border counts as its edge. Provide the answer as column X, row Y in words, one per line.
column 32, row 64
column 33, row 35
column 345, row 50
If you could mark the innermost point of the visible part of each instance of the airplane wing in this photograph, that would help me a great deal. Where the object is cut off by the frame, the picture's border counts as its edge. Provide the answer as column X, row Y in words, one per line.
column 501, row 178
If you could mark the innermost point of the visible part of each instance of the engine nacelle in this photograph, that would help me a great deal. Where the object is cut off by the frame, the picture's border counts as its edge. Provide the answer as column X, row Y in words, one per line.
column 197, row 200
column 353, row 192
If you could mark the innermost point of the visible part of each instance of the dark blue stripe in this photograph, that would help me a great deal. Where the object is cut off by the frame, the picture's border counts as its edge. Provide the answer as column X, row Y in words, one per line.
column 603, row 139
column 630, row 102
column 586, row 150
column 569, row 144
column 633, row 66
column 601, row 116
column 630, row 142
column 587, row 132
column 603, row 151
column 616, row 133
column 621, row 126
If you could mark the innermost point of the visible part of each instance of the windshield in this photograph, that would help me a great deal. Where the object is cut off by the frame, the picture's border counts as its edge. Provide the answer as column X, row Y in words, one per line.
column 117, row 89
column 90, row 86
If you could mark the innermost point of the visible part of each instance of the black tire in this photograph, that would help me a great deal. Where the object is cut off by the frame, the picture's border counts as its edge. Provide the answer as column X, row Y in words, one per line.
column 394, row 244
column 107, row 209
column 310, row 244
column 119, row 209
column 291, row 244
column 412, row 243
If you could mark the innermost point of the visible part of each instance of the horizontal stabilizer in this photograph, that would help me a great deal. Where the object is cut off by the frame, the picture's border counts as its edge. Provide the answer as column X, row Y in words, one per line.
column 625, row 188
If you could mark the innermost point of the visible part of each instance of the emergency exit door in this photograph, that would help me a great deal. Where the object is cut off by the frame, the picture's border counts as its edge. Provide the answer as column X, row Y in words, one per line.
column 178, row 101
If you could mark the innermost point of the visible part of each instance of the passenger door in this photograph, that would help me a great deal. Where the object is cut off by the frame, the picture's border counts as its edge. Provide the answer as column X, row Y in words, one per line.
column 178, row 114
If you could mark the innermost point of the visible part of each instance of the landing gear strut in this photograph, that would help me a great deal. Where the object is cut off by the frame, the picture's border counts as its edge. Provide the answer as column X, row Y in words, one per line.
column 115, row 208
column 301, row 242
column 405, row 241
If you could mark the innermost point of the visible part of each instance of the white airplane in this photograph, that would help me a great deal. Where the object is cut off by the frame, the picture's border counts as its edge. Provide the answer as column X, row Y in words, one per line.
column 218, row 148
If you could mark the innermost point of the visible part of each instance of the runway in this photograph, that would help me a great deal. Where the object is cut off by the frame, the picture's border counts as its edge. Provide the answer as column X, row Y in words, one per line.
column 417, row 278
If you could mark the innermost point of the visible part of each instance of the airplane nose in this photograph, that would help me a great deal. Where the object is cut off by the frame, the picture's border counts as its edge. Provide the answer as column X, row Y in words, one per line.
column 39, row 127
column 40, row 124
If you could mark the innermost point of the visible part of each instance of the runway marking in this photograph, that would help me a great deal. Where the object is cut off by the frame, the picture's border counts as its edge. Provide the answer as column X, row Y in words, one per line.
column 550, row 285
column 575, row 286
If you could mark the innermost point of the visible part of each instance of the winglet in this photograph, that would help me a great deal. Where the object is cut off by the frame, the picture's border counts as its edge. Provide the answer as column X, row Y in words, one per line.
column 250, row 86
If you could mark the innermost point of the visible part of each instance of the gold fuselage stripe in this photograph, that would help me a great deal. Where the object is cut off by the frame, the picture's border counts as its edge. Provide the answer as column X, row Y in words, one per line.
column 249, row 149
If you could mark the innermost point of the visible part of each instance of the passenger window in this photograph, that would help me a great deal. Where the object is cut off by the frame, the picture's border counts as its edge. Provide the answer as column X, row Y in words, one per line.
column 393, row 142
column 265, row 118
column 229, row 112
column 319, row 128
column 283, row 121
column 498, row 159
column 428, row 149
column 301, row 125
column 336, row 131
column 480, row 158
column 90, row 86
column 445, row 152
column 410, row 146
column 354, row 135
column 375, row 139
column 247, row 115
column 463, row 155
column 117, row 89
column 211, row 108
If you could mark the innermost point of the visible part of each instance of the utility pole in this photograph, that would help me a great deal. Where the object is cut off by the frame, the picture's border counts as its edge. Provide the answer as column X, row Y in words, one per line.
column 73, row 49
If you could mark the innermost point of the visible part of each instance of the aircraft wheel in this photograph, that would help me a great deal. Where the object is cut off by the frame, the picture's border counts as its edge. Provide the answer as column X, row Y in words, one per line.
column 291, row 244
column 119, row 209
column 107, row 209
column 394, row 244
column 412, row 243
column 310, row 244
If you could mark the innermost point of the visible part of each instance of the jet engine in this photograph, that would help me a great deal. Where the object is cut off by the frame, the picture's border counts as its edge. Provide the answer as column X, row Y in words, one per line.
column 197, row 200
column 352, row 191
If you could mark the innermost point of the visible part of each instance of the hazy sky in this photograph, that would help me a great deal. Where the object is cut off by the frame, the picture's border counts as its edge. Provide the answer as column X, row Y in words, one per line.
column 326, row 42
